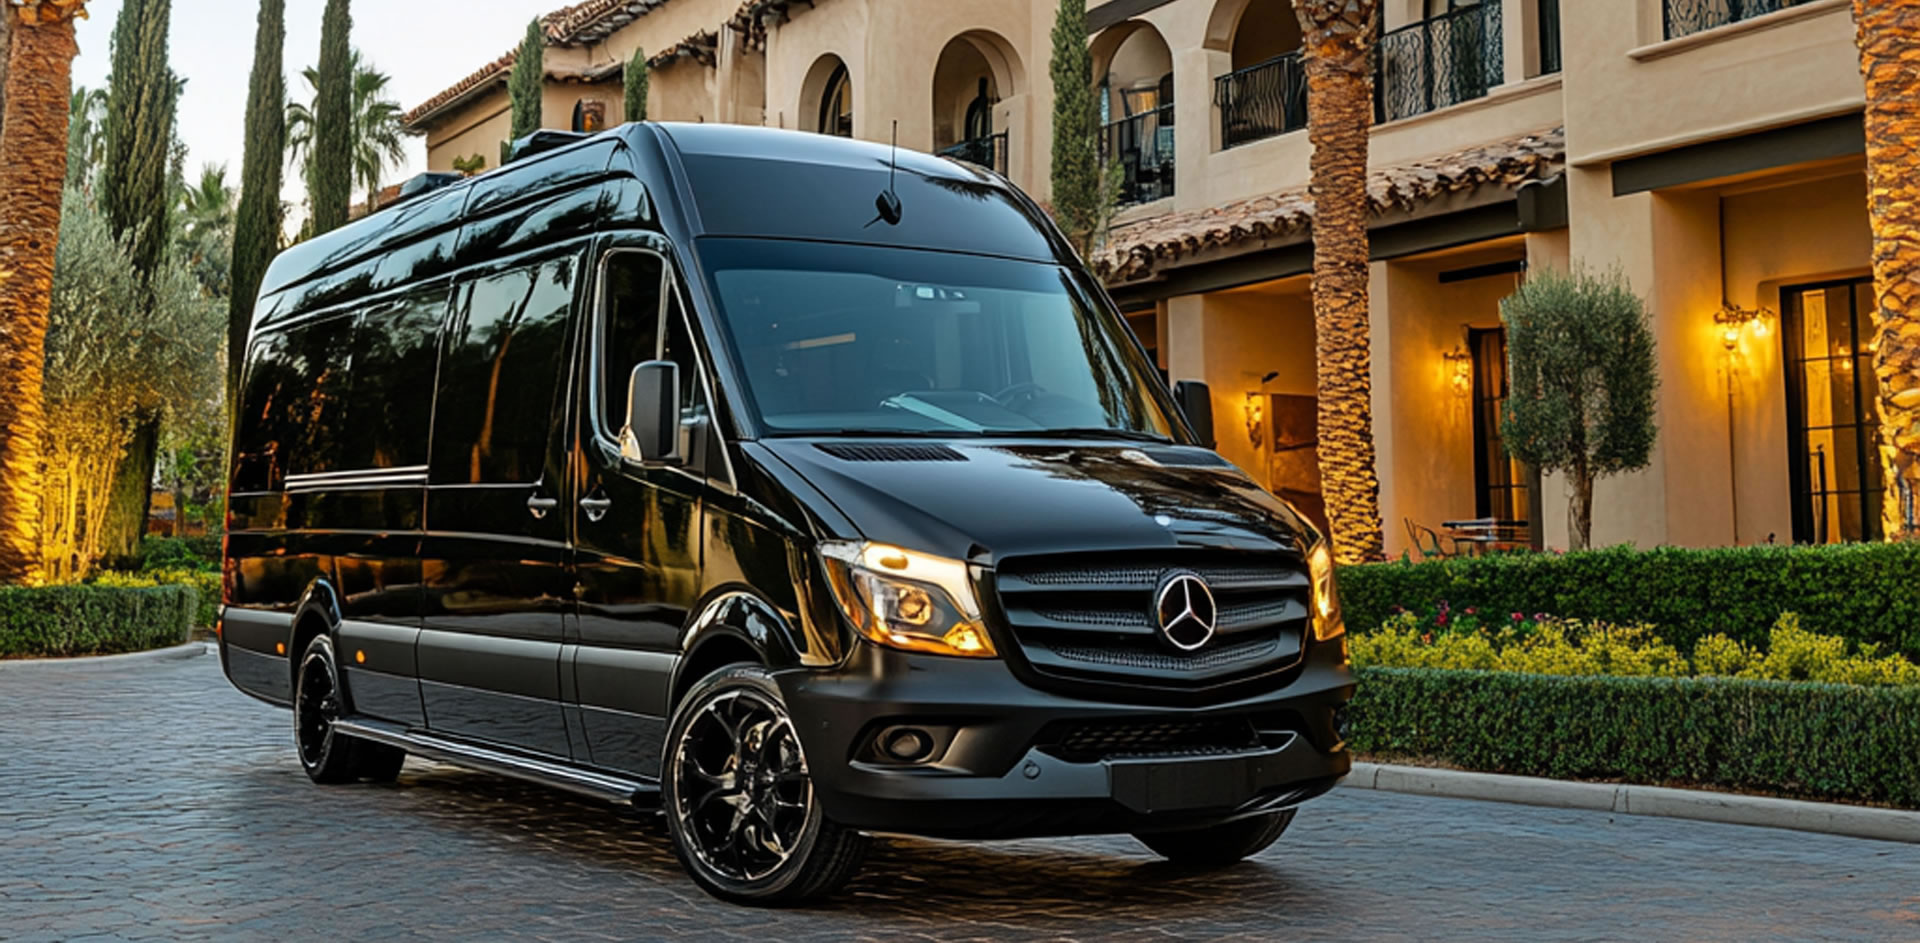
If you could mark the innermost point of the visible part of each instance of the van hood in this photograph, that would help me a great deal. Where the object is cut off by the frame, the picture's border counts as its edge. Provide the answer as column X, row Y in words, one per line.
column 990, row 498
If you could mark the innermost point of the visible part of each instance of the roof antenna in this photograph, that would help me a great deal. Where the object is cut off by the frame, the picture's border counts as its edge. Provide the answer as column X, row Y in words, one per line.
column 888, row 202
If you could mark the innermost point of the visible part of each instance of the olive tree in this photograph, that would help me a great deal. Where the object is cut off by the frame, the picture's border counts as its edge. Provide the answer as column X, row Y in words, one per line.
column 1582, row 380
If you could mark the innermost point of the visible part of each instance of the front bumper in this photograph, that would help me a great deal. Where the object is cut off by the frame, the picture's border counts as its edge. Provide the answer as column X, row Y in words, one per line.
column 1000, row 770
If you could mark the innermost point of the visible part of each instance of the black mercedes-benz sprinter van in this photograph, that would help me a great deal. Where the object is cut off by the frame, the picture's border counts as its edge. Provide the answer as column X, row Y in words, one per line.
column 793, row 487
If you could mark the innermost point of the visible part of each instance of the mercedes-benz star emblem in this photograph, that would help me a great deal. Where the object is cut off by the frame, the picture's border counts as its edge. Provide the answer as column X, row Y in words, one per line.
column 1185, row 611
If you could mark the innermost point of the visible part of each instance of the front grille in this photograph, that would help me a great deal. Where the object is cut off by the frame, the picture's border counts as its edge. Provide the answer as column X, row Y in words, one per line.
column 1092, row 741
column 1091, row 617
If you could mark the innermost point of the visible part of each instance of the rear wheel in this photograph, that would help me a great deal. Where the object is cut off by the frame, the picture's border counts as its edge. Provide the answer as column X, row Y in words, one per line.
column 1219, row 845
column 739, row 802
column 319, row 701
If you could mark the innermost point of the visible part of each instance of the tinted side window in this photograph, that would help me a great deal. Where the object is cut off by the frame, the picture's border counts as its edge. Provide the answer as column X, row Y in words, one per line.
column 393, row 378
column 318, row 353
column 264, row 434
column 680, row 350
column 630, row 329
column 505, row 345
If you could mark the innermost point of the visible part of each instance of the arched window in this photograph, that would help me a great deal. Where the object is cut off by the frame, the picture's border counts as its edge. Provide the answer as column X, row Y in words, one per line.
column 836, row 104
column 980, row 115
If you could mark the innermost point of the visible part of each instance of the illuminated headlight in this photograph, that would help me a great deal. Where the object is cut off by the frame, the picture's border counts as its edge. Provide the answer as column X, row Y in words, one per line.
column 1326, row 601
column 907, row 600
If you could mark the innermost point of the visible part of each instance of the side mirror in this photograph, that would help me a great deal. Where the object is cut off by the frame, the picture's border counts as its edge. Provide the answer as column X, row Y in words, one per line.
column 1196, row 401
column 652, row 434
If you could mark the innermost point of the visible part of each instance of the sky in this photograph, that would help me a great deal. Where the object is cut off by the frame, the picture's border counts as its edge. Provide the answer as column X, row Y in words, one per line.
column 425, row 45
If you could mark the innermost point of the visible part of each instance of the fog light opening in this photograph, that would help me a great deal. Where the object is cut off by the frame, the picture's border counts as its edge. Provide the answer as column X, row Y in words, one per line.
column 906, row 744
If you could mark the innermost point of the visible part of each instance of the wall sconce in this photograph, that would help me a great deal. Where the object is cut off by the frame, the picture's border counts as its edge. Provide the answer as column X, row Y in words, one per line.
column 1733, row 318
column 1460, row 370
column 1256, row 415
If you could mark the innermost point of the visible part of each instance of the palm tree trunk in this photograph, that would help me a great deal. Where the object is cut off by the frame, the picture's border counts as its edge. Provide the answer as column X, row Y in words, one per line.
column 1339, row 42
column 1889, row 37
column 33, row 172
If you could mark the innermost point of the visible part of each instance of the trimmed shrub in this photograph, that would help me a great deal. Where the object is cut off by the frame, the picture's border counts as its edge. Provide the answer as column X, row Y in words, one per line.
column 59, row 621
column 205, row 582
column 1868, row 593
column 1819, row 741
column 1553, row 646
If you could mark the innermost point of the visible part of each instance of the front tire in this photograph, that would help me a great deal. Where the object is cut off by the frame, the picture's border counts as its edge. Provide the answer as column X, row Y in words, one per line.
column 319, row 700
column 1215, row 846
column 739, row 801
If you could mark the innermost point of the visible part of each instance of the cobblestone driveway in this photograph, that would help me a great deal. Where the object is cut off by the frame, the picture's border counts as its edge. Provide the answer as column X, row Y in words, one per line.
column 153, row 801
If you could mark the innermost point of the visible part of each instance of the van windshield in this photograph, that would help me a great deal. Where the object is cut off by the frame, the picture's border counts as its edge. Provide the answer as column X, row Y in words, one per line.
column 853, row 340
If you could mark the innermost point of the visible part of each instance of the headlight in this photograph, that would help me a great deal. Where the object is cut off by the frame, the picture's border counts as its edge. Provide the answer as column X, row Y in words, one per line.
column 1326, row 601
column 907, row 600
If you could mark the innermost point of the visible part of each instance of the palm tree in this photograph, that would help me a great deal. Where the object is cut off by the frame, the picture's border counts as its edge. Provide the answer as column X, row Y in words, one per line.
column 378, row 141
column 1339, row 51
column 1889, row 37
column 33, row 175
column 203, row 237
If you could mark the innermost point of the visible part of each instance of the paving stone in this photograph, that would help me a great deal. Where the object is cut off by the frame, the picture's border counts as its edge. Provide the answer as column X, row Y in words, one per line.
column 154, row 801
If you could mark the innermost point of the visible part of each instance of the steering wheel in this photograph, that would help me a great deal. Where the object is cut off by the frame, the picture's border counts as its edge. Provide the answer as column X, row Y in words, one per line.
column 1029, row 390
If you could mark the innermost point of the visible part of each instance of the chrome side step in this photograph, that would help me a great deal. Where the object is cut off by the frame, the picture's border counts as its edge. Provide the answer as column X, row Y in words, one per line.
column 592, row 783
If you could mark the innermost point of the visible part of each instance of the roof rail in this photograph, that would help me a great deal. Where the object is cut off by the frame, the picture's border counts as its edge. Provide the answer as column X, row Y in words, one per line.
column 539, row 142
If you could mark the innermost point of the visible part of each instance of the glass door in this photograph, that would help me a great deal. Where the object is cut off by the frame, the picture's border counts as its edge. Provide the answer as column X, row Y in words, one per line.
column 1833, row 428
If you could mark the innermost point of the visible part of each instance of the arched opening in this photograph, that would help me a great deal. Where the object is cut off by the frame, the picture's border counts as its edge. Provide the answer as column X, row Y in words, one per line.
column 1136, row 107
column 975, row 72
column 1266, row 92
column 826, row 97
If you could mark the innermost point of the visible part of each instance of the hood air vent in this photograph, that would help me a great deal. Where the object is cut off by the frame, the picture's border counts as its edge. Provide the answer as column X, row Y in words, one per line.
column 892, row 453
column 1186, row 458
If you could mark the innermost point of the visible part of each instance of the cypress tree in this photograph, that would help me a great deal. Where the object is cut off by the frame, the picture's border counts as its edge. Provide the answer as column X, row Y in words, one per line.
column 1079, row 200
column 527, row 83
column 256, row 228
column 331, row 186
column 140, row 107
column 636, row 77
column 136, row 198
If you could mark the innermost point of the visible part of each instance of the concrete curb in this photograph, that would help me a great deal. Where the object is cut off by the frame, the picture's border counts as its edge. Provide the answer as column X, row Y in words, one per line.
column 1623, row 799
column 188, row 650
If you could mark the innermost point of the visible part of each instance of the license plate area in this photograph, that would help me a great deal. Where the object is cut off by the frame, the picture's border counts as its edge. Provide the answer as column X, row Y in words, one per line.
column 1150, row 786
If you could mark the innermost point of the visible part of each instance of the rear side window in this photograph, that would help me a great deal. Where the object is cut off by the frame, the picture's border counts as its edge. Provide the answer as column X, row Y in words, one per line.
column 505, row 349
column 393, row 376
column 264, row 436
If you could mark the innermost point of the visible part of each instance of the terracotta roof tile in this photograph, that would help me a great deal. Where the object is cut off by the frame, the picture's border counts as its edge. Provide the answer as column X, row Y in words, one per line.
column 1133, row 251
column 702, row 47
column 583, row 23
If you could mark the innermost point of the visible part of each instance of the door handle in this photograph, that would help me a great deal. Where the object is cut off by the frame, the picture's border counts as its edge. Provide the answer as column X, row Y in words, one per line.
column 596, row 508
column 540, row 506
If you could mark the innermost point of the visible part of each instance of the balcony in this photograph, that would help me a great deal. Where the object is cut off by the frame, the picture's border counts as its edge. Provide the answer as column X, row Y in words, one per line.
column 1439, row 62
column 989, row 152
column 1143, row 145
column 1262, row 101
column 1686, row 17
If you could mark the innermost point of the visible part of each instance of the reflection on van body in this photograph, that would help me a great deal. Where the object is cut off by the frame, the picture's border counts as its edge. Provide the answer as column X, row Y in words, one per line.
column 653, row 466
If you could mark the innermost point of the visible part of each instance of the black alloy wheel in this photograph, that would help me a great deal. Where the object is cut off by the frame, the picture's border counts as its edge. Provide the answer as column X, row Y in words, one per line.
column 739, row 802
column 319, row 701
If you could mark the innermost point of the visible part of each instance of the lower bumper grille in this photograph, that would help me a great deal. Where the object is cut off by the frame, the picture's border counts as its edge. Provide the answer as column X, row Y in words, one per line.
column 1092, row 741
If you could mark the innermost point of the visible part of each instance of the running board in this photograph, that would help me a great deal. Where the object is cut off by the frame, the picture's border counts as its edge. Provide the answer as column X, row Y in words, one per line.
column 592, row 783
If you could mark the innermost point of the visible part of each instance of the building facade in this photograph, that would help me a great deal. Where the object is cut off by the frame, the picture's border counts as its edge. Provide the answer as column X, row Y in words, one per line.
column 1709, row 150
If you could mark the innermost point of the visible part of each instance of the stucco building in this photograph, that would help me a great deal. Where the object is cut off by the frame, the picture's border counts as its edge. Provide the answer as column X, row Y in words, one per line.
column 1711, row 150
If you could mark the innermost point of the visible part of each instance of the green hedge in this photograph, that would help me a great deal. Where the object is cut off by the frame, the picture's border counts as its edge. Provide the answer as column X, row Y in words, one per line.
column 1820, row 741
column 1862, row 592
column 58, row 621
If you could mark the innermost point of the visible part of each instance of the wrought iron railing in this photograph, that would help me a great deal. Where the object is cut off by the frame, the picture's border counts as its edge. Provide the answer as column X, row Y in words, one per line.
column 1686, row 17
column 989, row 152
column 1549, row 36
column 1439, row 62
column 1261, row 101
column 1143, row 146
